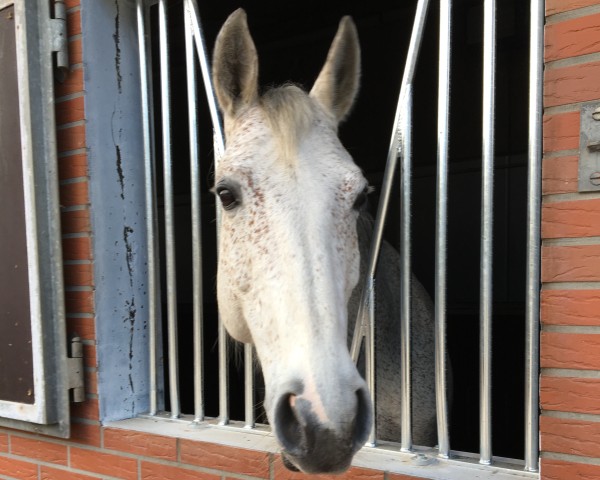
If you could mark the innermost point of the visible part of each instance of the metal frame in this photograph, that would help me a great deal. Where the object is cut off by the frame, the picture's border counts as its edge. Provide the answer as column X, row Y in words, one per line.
column 400, row 149
column 50, row 412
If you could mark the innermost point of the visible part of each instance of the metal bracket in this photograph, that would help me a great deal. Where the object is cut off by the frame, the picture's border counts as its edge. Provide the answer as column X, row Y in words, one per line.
column 75, row 370
column 58, row 35
column 589, row 148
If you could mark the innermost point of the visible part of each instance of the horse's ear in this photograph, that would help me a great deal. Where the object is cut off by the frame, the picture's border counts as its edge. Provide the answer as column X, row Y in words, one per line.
column 337, row 84
column 235, row 65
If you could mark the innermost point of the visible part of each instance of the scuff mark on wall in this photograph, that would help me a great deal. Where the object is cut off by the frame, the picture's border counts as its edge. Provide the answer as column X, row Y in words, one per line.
column 127, row 230
column 117, row 39
column 120, row 171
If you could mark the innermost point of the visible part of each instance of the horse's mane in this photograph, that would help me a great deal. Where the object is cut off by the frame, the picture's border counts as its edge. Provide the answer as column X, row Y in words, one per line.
column 290, row 113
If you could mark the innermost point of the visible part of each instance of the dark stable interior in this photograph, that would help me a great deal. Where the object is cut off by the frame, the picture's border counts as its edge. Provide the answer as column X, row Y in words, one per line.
column 292, row 39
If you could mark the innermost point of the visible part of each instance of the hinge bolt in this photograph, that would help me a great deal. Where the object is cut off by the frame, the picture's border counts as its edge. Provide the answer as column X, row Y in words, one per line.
column 596, row 114
column 595, row 179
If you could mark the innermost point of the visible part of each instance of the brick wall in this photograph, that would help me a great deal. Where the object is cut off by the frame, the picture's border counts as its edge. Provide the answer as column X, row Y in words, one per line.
column 570, row 340
column 570, row 384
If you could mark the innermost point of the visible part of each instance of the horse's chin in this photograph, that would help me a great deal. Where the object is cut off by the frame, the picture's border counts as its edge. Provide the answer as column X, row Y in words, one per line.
column 316, row 464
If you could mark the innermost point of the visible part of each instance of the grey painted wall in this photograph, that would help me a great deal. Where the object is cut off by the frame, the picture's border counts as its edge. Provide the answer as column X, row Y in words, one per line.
column 114, row 138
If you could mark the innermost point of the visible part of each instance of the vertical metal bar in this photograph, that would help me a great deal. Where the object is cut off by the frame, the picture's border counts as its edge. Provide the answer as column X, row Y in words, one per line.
column 534, row 236
column 441, row 228
column 487, row 223
column 364, row 325
column 249, row 385
column 219, row 145
column 169, row 210
column 198, row 299
column 149, row 186
column 405, row 254
column 370, row 354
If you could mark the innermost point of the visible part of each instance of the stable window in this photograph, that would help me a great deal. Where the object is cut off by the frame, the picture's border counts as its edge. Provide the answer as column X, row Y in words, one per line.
column 34, row 377
column 484, row 62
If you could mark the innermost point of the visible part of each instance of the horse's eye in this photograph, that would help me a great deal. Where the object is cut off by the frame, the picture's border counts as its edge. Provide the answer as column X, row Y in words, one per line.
column 227, row 197
column 361, row 199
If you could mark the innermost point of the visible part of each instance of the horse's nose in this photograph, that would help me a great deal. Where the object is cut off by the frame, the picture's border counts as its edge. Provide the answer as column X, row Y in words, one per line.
column 316, row 443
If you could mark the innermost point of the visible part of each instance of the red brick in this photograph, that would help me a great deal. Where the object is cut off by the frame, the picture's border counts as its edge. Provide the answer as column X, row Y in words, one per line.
column 156, row 446
column 578, row 83
column 82, row 327
column 69, row 111
column 73, row 166
column 559, row 470
column 155, row 471
column 579, row 218
column 72, row 84
column 576, row 263
column 91, row 382
column 84, row 433
column 558, row 6
column 396, row 476
column 77, row 248
column 570, row 350
column 572, row 437
column 570, row 307
column 72, row 138
column 79, row 301
column 561, row 132
column 104, row 463
column 89, row 356
column 559, row 175
column 76, row 221
column 3, row 443
column 228, row 459
column 87, row 409
column 13, row 468
column 75, row 51
column 74, row 194
column 74, row 23
column 39, row 450
column 566, row 394
column 573, row 37
column 48, row 473
column 353, row 473
column 78, row 275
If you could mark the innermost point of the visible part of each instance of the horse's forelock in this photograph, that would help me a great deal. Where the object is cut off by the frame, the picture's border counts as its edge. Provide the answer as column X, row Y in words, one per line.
column 290, row 112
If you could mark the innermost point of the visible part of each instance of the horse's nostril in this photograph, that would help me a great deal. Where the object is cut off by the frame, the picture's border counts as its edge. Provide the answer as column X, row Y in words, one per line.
column 289, row 428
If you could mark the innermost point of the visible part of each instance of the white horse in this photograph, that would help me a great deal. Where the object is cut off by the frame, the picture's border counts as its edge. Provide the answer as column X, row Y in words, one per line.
column 290, row 257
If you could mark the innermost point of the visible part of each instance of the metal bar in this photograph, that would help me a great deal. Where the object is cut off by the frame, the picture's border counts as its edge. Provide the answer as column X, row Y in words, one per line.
column 165, row 85
column 249, row 385
column 533, row 236
column 219, row 137
column 370, row 356
column 219, row 145
column 198, row 299
column 487, row 224
column 406, row 273
column 442, row 227
column 388, row 180
column 149, row 186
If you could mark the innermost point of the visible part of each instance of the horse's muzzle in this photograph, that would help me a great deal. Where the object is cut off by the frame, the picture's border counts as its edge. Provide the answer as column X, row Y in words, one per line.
column 313, row 445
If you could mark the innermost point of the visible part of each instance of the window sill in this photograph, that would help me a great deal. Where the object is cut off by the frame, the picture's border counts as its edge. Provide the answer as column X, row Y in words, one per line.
column 422, row 462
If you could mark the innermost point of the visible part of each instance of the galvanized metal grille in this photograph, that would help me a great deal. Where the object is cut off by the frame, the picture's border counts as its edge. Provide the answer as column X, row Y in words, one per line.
column 400, row 150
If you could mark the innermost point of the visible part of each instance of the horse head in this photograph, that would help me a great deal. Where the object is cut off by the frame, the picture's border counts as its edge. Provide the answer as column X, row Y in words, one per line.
column 288, row 255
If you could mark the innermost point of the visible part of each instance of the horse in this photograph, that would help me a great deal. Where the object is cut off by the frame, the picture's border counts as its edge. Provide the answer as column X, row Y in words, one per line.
column 293, row 247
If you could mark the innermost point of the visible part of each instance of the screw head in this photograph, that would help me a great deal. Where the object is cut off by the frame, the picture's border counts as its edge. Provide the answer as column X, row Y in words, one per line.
column 595, row 179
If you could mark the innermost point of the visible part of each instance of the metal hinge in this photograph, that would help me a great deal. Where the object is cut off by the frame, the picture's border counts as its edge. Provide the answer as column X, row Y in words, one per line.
column 589, row 148
column 75, row 370
column 58, row 34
